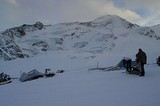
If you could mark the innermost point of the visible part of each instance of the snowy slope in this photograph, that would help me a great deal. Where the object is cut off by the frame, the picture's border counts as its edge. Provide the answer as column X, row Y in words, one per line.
column 83, row 45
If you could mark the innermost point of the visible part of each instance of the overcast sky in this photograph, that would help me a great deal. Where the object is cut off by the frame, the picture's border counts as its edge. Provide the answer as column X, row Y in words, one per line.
column 17, row 12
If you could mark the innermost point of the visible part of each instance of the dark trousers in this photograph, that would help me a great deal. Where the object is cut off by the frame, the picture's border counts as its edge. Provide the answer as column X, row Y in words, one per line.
column 142, row 70
column 127, row 64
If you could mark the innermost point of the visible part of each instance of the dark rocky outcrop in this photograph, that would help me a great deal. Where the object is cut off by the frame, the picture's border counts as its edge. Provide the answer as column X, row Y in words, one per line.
column 9, row 50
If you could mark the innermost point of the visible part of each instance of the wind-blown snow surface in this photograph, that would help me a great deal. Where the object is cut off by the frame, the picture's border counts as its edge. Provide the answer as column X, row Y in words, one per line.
column 79, row 87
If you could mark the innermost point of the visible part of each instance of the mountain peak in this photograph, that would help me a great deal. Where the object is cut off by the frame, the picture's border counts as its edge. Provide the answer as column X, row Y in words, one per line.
column 115, row 21
column 106, row 17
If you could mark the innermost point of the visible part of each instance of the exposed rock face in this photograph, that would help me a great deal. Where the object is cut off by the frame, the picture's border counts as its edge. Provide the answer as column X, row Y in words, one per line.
column 42, row 45
column 38, row 25
column 9, row 50
column 146, row 31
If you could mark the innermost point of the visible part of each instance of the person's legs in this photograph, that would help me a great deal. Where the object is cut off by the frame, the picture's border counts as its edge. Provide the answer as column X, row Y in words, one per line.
column 142, row 70
column 130, row 65
column 127, row 65
column 124, row 63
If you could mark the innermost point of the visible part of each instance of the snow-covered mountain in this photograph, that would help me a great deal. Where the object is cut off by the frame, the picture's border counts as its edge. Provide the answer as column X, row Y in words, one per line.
column 95, row 37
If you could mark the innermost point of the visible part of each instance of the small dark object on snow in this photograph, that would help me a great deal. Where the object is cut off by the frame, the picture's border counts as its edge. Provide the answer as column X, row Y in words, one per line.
column 59, row 71
column 135, row 71
column 48, row 73
column 4, row 79
column 158, row 60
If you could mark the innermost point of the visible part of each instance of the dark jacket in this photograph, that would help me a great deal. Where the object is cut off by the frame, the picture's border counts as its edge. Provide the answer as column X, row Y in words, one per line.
column 141, row 57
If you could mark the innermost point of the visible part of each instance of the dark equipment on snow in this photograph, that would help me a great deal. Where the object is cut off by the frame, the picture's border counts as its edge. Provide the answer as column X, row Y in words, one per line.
column 135, row 70
column 4, row 79
column 48, row 73
column 59, row 71
column 158, row 60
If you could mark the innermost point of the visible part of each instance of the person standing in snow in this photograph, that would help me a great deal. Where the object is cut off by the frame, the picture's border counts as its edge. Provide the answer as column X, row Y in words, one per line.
column 127, row 63
column 141, row 59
